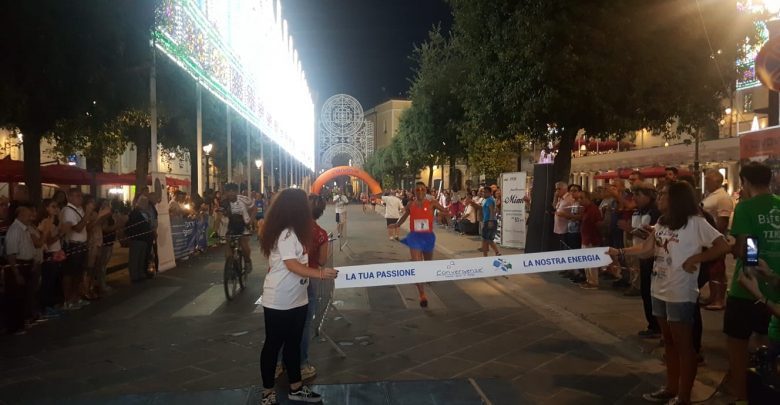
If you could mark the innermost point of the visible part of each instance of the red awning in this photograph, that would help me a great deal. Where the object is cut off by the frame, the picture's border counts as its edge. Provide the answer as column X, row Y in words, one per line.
column 660, row 171
column 606, row 175
column 11, row 171
column 65, row 174
column 613, row 174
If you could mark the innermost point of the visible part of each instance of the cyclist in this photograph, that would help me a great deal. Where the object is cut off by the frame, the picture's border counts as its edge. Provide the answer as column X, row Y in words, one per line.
column 237, row 207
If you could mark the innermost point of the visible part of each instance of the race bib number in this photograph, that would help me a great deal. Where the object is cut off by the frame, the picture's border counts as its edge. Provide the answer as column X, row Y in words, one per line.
column 421, row 225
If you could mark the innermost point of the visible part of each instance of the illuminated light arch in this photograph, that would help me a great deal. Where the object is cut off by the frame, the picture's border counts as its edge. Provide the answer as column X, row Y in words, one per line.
column 342, row 149
column 352, row 171
column 344, row 130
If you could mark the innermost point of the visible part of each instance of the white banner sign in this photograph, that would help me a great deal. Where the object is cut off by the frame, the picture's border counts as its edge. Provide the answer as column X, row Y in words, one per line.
column 513, row 190
column 164, row 238
column 372, row 275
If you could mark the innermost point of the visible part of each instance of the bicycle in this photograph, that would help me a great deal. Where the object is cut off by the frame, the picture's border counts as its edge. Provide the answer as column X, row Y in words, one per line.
column 235, row 274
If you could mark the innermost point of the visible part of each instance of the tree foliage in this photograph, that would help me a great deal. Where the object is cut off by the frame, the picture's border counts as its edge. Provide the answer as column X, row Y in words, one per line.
column 66, row 59
column 605, row 66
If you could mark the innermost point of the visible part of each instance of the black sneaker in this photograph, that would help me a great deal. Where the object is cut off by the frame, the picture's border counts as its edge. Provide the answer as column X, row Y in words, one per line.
column 269, row 399
column 305, row 394
column 649, row 334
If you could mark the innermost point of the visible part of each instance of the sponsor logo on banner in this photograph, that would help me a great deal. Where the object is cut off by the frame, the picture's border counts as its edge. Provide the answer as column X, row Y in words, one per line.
column 503, row 265
column 453, row 270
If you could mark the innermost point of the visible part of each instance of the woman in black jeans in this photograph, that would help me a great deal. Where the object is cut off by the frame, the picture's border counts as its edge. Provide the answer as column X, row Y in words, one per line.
column 287, row 231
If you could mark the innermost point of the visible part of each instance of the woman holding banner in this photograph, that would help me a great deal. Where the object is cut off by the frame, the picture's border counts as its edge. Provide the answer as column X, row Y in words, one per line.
column 286, row 233
column 421, row 239
column 677, row 242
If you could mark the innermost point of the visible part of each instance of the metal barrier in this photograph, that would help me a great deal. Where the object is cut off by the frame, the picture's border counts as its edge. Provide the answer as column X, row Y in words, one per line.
column 325, row 290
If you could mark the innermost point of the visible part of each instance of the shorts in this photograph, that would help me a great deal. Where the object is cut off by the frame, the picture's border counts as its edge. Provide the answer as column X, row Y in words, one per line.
column 744, row 317
column 422, row 241
column 338, row 218
column 259, row 216
column 489, row 233
column 391, row 221
column 674, row 311
column 76, row 260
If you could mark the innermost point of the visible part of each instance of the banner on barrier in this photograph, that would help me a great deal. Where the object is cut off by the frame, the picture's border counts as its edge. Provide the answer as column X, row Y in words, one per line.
column 165, row 255
column 373, row 275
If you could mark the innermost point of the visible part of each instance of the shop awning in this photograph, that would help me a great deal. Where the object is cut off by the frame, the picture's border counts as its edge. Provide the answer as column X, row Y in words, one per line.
column 11, row 171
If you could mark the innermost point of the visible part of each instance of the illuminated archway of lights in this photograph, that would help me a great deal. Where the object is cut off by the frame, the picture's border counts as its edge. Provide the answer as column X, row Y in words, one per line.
column 241, row 52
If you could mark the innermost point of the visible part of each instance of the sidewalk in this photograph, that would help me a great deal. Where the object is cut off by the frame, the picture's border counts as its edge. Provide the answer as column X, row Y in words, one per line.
column 608, row 310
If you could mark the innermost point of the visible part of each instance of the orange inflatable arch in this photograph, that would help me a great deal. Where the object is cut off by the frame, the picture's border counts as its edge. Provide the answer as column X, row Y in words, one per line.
column 339, row 171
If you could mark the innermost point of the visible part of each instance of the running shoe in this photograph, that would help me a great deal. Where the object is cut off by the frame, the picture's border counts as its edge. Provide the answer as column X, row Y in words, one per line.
column 589, row 286
column 308, row 371
column 269, row 399
column 304, row 394
column 660, row 396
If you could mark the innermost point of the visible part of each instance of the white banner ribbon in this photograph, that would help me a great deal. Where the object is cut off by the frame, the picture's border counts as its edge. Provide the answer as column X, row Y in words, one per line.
column 373, row 275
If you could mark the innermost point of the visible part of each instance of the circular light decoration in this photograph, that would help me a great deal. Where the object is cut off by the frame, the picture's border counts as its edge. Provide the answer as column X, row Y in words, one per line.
column 342, row 114
column 768, row 64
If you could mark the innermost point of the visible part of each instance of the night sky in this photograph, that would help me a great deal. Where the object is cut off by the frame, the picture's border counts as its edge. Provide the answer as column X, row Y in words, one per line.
column 360, row 47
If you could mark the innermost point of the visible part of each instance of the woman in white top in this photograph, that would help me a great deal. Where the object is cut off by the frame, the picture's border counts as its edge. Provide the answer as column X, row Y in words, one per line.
column 677, row 243
column 286, row 233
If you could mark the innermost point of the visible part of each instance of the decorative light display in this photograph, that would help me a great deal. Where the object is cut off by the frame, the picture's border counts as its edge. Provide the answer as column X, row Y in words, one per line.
column 240, row 51
column 747, row 65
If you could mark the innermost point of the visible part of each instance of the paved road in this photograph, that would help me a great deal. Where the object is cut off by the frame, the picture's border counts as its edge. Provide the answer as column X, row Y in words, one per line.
column 176, row 334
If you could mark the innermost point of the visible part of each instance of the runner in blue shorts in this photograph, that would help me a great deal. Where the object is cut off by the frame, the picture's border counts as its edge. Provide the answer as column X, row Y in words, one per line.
column 421, row 239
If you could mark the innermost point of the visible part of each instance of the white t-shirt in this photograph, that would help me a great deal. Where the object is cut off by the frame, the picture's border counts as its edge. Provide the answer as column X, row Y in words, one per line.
column 469, row 214
column 718, row 204
column 341, row 203
column 241, row 206
column 672, row 248
column 72, row 215
column 561, row 224
column 283, row 289
column 393, row 206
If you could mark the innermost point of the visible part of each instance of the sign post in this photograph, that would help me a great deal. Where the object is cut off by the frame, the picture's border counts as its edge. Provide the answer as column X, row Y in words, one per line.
column 513, row 192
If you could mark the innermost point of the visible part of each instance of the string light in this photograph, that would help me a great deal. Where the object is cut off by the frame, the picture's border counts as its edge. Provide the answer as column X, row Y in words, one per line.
column 240, row 53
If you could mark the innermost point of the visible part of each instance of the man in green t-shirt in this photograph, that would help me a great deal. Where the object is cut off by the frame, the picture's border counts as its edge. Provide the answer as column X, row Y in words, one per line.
column 757, row 215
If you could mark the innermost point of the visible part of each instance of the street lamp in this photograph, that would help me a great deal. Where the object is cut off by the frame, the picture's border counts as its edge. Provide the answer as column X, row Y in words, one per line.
column 207, row 149
column 259, row 164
